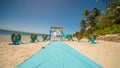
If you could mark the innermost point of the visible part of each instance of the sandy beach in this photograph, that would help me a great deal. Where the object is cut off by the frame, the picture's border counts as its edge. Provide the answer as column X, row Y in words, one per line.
column 60, row 34
column 104, row 53
column 11, row 55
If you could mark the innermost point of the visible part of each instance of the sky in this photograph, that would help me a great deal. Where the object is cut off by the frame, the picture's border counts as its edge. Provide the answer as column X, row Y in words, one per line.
column 38, row 16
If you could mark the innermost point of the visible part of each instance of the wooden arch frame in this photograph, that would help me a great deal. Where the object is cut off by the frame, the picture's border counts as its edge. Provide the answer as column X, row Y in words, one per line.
column 55, row 28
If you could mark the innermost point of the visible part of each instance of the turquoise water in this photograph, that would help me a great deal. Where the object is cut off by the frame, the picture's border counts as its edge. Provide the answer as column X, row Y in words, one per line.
column 58, row 55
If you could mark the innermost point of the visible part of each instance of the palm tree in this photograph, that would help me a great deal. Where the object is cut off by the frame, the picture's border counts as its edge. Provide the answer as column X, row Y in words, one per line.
column 95, row 12
column 83, row 26
column 90, row 20
column 113, row 10
column 86, row 13
column 92, row 17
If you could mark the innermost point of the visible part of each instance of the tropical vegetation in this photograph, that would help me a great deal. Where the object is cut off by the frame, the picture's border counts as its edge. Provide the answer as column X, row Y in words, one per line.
column 100, row 22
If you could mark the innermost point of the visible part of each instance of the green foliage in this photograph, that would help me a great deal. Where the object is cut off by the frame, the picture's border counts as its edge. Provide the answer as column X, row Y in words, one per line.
column 104, row 23
column 89, row 36
column 19, row 36
column 108, row 30
column 12, row 37
column 43, row 36
column 78, row 36
column 96, row 23
column 32, row 35
column 85, row 12
column 95, row 12
column 88, row 25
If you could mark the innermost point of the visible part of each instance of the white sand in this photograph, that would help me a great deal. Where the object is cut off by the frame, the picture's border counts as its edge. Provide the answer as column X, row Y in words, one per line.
column 107, row 54
column 104, row 53
column 10, row 56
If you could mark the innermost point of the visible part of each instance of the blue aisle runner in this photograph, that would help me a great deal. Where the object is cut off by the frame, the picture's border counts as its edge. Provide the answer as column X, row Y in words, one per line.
column 58, row 55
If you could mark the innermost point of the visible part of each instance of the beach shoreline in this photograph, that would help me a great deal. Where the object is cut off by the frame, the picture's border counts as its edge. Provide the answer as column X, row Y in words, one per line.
column 104, row 53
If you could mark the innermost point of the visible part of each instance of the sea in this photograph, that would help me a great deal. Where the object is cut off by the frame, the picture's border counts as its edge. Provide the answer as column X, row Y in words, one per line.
column 6, row 34
column 9, row 32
